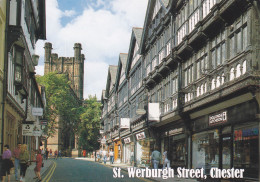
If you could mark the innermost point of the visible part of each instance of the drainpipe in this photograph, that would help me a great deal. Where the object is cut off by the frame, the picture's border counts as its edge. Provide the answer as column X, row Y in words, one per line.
column 5, row 72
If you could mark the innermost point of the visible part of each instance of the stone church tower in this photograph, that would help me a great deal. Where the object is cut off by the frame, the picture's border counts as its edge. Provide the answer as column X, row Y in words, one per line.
column 73, row 66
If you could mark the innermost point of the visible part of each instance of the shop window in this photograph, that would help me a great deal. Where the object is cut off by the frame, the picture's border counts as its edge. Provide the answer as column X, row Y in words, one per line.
column 205, row 150
column 177, row 150
column 246, row 149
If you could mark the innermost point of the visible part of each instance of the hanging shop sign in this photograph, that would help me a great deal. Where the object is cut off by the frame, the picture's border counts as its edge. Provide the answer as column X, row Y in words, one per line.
column 31, row 130
column 218, row 118
column 153, row 112
column 27, row 129
column 175, row 131
column 127, row 140
column 37, row 131
column 37, row 111
column 43, row 122
column 140, row 136
column 103, row 141
column 124, row 123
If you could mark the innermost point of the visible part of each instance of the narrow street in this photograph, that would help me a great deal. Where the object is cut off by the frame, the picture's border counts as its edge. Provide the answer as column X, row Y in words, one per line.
column 71, row 170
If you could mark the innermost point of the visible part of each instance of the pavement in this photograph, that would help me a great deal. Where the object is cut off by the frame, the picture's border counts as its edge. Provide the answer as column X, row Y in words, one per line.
column 30, row 174
column 124, row 167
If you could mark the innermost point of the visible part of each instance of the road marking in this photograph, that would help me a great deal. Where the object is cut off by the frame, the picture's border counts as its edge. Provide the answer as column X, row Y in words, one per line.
column 53, row 166
column 52, row 172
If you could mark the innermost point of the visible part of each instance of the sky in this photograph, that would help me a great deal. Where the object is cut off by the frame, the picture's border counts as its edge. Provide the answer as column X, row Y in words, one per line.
column 103, row 27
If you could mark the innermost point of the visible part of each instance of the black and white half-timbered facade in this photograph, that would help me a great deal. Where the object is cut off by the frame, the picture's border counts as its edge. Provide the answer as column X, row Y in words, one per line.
column 22, row 95
column 193, row 85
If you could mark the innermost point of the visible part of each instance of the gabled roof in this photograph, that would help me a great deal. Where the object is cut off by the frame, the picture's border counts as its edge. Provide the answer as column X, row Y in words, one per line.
column 138, row 34
column 103, row 96
column 166, row 5
column 111, row 77
column 121, row 67
column 135, row 37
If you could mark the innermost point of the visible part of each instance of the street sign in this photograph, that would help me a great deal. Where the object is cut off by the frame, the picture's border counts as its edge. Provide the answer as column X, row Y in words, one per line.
column 37, row 111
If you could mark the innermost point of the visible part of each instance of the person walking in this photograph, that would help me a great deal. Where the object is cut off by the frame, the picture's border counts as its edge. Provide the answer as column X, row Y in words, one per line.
column 16, row 154
column 105, row 156
column 56, row 154
column 166, row 161
column 24, row 161
column 132, row 158
column 60, row 154
column 111, row 155
column 47, row 153
column 50, row 153
column 43, row 153
column 38, row 166
column 7, row 163
column 156, row 157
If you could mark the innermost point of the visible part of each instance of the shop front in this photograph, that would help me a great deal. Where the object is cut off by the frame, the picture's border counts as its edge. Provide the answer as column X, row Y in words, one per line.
column 174, row 142
column 144, row 147
column 117, row 150
column 226, row 139
column 128, row 150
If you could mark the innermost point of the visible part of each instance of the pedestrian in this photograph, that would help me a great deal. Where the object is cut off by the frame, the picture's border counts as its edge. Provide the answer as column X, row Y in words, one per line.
column 38, row 166
column 105, row 156
column 111, row 155
column 43, row 153
column 156, row 158
column 47, row 153
column 7, row 163
column 101, row 155
column 84, row 153
column 50, row 153
column 132, row 157
column 166, row 161
column 98, row 156
column 16, row 154
column 24, row 161
column 60, row 154
column 56, row 154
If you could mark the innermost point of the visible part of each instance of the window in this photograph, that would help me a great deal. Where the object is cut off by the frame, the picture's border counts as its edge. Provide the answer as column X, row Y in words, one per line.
column 246, row 149
column 218, row 47
column 239, row 36
column 30, row 21
column 244, row 67
column 188, row 71
column 205, row 149
column 19, row 59
column 232, row 74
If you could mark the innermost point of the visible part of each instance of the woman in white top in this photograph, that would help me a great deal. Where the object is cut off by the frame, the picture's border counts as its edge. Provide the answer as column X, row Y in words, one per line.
column 166, row 161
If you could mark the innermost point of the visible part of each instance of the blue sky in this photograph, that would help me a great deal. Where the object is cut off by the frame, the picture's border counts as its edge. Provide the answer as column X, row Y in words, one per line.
column 103, row 27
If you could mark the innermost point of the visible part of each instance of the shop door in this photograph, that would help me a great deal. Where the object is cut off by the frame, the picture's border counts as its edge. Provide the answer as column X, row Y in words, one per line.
column 226, row 151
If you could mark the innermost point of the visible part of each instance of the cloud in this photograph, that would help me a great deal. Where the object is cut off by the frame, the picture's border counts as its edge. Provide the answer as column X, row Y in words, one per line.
column 104, row 30
column 69, row 13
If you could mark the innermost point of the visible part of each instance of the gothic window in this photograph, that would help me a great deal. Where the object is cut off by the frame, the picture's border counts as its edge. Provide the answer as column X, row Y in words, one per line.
column 232, row 74
column 244, row 67
column 238, row 71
